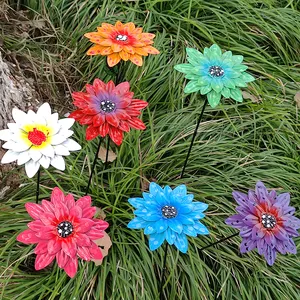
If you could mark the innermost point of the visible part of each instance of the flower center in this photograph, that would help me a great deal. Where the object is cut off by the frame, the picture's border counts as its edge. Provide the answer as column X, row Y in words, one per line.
column 216, row 71
column 122, row 37
column 268, row 221
column 169, row 211
column 36, row 137
column 64, row 229
column 107, row 106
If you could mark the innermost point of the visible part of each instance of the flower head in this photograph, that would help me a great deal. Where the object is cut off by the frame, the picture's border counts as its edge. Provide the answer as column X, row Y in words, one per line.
column 38, row 139
column 121, row 42
column 167, row 214
column 63, row 229
column 215, row 74
column 266, row 222
column 108, row 109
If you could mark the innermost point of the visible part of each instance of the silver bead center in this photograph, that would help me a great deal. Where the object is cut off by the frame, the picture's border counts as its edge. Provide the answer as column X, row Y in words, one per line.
column 64, row 229
column 216, row 71
column 169, row 211
column 268, row 221
column 107, row 106
column 121, row 37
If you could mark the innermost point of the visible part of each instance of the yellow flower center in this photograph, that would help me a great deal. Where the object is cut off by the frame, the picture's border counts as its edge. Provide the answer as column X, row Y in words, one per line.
column 36, row 135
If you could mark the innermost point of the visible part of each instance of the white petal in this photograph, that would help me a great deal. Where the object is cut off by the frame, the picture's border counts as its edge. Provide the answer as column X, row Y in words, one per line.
column 58, row 162
column 65, row 133
column 38, row 119
column 44, row 111
column 66, row 123
column 6, row 134
column 71, row 145
column 20, row 146
column 61, row 150
column 48, row 151
column 31, row 114
column 35, row 154
column 9, row 157
column 23, row 158
column 58, row 139
column 45, row 161
column 18, row 115
column 13, row 127
column 52, row 122
column 9, row 145
column 31, row 168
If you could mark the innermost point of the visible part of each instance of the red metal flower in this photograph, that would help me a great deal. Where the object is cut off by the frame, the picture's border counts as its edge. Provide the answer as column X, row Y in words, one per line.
column 108, row 109
column 63, row 229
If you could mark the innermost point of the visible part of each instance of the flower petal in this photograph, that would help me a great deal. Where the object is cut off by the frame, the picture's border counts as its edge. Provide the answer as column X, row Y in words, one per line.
column 28, row 237
column 43, row 260
column 71, row 267
column 156, row 240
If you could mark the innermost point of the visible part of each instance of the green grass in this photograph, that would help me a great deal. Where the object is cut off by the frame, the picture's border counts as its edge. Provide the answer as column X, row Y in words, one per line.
column 237, row 144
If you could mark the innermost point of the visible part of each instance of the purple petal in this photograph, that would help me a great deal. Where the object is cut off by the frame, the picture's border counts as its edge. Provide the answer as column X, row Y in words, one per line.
column 280, row 247
column 281, row 234
column 240, row 198
column 250, row 220
column 261, row 192
column 246, row 232
column 243, row 211
column 261, row 246
column 270, row 239
column 270, row 255
column 235, row 221
column 288, row 211
column 291, row 232
column 291, row 222
column 247, row 244
column 252, row 199
column 290, row 246
column 272, row 196
column 283, row 200
column 257, row 232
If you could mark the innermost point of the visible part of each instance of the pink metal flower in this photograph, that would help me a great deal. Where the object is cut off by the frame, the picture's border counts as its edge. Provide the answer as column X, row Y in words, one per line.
column 63, row 229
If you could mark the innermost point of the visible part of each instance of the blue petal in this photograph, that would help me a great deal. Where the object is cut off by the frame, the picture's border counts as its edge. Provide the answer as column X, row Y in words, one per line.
column 185, row 219
column 201, row 229
column 181, row 243
column 161, row 199
column 184, row 208
column 150, row 228
column 200, row 207
column 167, row 191
column 175, row 225
column 136, row 202
column 149, row 199
column 170, row 236
column 155, row 188
column 197, row 215
column 137, row 223
column 156, row 240
column 161, row 225
column 188, row 198
column 180, row 191
column 148, row 215
column 189, row 230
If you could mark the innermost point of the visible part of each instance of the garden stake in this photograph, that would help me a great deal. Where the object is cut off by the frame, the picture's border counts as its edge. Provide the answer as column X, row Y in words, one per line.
column 38, row 186
column 220, row 241
column 93, row 167
column 181, row 176
column 107, row 150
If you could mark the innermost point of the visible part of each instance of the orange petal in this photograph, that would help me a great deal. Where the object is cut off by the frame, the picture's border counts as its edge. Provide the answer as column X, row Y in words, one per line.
column 128, row 49
column 130, row 27
column 138, row 30
column 95, row 50
column 124, row 55
column 105, row 42
column 141, row 51
column 106, row 50
column 136, row 59
column 147, row 36
column 113, row 59
column 116, row 47
column 94, row 37
column 106, row 27
column 151, row 50
column 119, row 25
column 104, row 32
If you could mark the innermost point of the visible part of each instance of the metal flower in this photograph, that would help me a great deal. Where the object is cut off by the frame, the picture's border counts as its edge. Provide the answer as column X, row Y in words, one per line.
column 170, row 215
column 266, row 222
column 215, row 74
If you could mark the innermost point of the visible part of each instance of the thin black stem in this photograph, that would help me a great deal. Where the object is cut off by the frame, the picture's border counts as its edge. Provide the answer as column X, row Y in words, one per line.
column 219, row 241
column 107, row 150
column 119, row 73
column 37, row 194
column 193, row 138
column 163, row 272
column 93, row 167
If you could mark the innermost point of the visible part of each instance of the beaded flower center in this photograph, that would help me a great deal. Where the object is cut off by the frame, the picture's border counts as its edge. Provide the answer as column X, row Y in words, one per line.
column 169, row 211
column 36, row 137
column 64, row 229
column 268, row 221
column 107, row 106
column 216, row 71
column 121, row 37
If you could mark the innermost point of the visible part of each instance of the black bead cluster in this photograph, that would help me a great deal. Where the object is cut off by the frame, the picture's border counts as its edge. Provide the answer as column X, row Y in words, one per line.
column 216, row 71
column 268, row 221
column 169, row 211
column 107, row 106
column 122, row 37
column 64, row 229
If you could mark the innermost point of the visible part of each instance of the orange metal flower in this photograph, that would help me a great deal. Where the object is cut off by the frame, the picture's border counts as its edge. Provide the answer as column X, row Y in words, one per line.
column 122, row 41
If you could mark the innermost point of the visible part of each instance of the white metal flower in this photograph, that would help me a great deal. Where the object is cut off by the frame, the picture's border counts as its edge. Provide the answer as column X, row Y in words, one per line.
column 38, row 139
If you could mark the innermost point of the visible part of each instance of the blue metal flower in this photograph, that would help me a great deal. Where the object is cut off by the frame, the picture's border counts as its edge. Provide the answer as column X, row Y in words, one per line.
column 167, row 214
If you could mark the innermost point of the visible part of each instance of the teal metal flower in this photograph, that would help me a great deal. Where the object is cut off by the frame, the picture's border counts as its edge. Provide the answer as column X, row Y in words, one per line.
column 167, row 214
column 215, row 74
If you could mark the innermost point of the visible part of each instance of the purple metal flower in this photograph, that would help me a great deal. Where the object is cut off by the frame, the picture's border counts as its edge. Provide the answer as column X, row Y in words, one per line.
column 266, row 222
